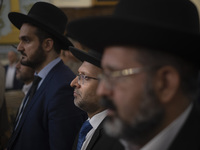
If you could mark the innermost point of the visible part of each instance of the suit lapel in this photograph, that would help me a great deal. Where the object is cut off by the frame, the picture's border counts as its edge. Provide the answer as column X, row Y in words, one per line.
column 25, row 114
column 96, row 136
column 189, row 135
column 31, row 103
column 36, row 96
column 75, row 142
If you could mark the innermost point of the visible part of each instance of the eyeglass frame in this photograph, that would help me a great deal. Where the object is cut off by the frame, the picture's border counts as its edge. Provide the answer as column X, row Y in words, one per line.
column 83, row 78
column 119, row 73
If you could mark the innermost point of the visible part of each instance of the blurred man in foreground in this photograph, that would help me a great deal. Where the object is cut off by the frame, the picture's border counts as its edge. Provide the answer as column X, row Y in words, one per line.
column 151, row 65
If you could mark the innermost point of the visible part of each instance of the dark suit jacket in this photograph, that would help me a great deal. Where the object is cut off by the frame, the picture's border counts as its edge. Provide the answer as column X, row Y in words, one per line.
column 17, row 84
column 189, row 136
column 50, row 120
column 101, row 141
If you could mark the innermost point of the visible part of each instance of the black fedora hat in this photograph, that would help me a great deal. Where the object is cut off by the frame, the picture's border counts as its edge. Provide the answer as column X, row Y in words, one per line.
column 167, row 25
column 93, row 57
column 47, row 17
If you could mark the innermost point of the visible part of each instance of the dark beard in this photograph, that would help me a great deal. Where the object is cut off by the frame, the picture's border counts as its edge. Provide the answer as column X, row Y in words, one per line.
column 36, row 60
column 107, row 103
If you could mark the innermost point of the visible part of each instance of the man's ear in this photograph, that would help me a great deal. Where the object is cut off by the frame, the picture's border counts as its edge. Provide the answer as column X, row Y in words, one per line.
column 167, row 82
column 47, row 44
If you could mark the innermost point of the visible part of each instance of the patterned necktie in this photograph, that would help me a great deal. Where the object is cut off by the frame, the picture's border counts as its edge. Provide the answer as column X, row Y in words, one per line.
column 28, row 98
column 86, row 127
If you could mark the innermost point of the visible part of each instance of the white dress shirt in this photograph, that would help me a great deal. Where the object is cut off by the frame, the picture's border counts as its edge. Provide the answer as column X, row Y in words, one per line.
column 94, row 121
column 10, row 75
column 26, row 88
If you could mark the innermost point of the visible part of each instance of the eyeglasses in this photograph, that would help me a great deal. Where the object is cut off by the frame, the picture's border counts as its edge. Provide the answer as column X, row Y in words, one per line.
column 110, row 78
column 82, row 78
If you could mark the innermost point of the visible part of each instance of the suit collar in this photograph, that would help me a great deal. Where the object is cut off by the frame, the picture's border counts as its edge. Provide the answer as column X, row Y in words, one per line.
column 164, row 139
column 45, row 71
column 34, row 100
column 189, row 135
column 98, row 132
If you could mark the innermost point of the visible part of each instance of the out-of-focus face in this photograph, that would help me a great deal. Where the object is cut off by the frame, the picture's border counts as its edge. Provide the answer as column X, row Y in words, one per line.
column 12, row 57
column 30, row 48
column 24, row 73
column 85, row 96
column 136, row 107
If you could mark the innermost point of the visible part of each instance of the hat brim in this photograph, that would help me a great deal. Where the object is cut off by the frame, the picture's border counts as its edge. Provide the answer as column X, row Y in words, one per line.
column 100, row 32
column 84, row 56
column 17, row 19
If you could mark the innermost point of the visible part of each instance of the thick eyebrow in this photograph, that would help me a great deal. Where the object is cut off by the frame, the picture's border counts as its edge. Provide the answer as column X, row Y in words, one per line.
column 111, row 68
column 23, row 37
column 84, row 73
column 81, row 72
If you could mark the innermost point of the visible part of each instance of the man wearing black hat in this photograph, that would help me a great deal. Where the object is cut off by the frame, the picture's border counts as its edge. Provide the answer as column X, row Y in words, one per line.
column 85, row 98
column 151, row 65
column 48, row 118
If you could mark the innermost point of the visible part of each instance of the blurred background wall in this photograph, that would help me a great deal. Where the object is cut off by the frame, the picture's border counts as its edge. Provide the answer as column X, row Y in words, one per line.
column 74, row 9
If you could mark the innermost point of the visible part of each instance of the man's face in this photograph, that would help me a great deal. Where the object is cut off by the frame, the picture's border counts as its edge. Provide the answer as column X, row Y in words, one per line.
column 30, row 48
column 137, row 109
column 24, row 73
column 85, row 96
column 12, row 57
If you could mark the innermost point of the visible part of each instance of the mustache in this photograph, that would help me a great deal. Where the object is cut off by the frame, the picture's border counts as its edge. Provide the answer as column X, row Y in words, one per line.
column 107, row 103
column 23, row 54
column 76, row 91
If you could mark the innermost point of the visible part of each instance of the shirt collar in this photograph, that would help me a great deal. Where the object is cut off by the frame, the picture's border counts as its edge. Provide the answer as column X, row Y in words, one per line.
column 97, row 119
column 164, row 139
column 43, row 73
column 26, row 87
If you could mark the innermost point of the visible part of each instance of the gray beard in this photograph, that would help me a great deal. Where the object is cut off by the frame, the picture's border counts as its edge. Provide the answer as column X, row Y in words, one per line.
column 148, row 118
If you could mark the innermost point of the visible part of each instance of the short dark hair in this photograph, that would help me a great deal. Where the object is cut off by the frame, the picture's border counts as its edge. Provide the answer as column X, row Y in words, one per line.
column 42, row 35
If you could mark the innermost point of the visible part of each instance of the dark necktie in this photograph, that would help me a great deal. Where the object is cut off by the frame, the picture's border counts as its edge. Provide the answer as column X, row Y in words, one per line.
column 86, row 127
column 28, row 98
